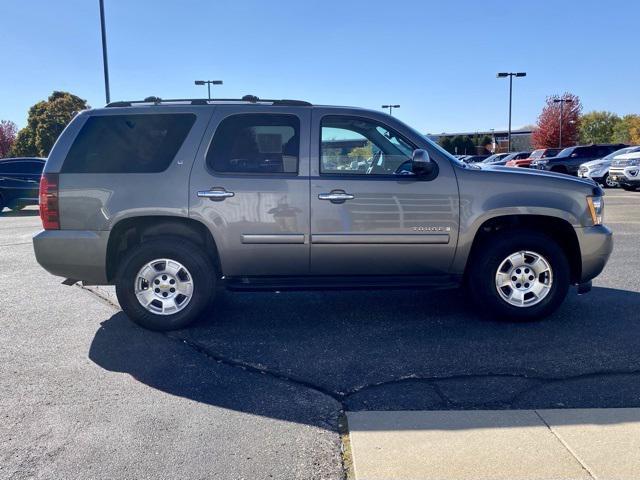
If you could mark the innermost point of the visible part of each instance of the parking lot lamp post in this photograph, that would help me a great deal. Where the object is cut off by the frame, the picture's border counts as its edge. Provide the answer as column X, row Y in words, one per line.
column 104, row 53
column 510, row 75
column 561, row 101
column 390, row 107
column 208, row 83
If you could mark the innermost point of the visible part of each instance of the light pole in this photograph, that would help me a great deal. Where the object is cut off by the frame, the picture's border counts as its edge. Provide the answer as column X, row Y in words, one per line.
column 510, row 75
column 208, row 83
column 104, row 53
column 561, row 101
column 390, row 107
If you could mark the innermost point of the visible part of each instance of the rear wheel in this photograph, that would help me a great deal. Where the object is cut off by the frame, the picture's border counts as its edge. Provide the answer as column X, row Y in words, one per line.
column 165, row 283
column 523, row 276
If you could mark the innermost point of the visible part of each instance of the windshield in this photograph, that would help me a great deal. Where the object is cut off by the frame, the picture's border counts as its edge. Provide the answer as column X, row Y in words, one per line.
column 620, row 152
column 537, row 153
column 565, row 152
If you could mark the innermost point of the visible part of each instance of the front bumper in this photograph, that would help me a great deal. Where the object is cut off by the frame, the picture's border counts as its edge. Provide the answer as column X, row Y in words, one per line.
column 75, row 254
column 596, row 245
column 626, row 175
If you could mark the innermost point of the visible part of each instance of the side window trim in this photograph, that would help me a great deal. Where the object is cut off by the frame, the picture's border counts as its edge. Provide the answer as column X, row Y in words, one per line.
column 288, row 175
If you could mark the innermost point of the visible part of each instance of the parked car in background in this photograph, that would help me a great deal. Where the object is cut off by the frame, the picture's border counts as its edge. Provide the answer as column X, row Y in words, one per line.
column 475, row 158
column 536, row 154
column 598, row 170
column 19, row 182
column 569, row 159
column 511, row 156
column 495, row 157
column 625, row 169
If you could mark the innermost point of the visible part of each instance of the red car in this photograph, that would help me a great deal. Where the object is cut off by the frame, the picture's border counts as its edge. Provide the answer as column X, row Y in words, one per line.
column 536, row 154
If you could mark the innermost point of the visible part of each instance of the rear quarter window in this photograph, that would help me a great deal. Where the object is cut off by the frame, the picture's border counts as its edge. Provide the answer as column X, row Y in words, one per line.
column 140, row 143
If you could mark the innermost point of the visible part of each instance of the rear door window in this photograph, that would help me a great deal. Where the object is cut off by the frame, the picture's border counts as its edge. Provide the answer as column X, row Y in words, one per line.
column 143, row 143
column 255, row 143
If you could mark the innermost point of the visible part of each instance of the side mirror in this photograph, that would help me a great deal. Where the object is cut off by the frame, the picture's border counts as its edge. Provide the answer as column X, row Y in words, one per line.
column 421, row 163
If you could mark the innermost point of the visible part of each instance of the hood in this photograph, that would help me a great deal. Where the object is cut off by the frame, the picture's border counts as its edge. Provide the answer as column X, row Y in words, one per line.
column 538, row 173
column 596, row 163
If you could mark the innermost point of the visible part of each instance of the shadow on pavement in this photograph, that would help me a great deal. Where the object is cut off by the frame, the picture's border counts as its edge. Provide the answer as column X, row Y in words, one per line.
column 386, row 350
column 27, row 212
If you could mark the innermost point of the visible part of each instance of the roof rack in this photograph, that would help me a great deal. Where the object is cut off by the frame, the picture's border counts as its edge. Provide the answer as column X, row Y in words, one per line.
column 204, row 101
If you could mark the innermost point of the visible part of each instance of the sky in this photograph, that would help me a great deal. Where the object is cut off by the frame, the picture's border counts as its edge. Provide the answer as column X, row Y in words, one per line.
column 437, row 59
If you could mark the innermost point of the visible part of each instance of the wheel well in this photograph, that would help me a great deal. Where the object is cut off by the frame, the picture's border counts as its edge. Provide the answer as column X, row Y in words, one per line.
column 559, row 169
column 558, row 229
column 132, row 231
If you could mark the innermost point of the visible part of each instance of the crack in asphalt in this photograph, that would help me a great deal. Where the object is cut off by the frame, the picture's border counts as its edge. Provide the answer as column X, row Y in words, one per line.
column 342, row 397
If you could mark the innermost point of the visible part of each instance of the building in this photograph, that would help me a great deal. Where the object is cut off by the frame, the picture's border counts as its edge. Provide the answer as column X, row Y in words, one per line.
column 520, row 138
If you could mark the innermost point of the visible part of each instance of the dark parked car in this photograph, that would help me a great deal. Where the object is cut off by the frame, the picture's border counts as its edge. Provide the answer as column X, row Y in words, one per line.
column 19, row 182
column 570, row 159
column 536, row 154
column 475, row 158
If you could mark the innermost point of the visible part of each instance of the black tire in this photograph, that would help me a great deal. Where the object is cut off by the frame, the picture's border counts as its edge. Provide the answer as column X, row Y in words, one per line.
column 486, row 260
column 191, row 256
column 605, row 184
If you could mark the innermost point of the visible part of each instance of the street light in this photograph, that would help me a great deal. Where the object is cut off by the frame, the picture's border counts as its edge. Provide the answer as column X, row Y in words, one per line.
column 104, row 53
column 561, row 101
column 390, row 107
column 510, row 75
column 208, row 83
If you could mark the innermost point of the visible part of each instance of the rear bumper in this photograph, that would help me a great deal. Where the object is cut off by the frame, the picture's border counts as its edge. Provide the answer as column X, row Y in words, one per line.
column 596, row 245
column 76, row 254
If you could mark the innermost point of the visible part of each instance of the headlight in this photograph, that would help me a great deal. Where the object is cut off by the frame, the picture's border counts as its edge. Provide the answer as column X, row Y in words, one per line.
column 596, row 209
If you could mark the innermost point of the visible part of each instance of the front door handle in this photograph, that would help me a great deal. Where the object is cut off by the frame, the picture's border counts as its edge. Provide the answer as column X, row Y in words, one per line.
column 336, row 196
column 217, row 194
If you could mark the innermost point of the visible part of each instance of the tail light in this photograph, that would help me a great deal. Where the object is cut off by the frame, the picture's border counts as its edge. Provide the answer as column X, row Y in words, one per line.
column 49, row 211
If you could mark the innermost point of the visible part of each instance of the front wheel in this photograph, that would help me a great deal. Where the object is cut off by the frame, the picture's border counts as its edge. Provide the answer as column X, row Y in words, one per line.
column 523, row 276
column 609, row 182
column 165, row 283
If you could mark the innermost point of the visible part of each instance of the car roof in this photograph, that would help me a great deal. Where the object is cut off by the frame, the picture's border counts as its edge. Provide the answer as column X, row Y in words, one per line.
column 23, row 159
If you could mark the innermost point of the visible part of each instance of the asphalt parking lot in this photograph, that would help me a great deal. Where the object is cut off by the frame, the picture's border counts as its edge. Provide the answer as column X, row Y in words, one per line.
column 256, row 389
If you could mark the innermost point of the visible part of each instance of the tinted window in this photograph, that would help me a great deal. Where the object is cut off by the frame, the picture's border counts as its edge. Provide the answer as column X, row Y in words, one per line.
column 256, row 143
column 356, row 146
column 34, row 167
column 128, row 143
column 12, row 167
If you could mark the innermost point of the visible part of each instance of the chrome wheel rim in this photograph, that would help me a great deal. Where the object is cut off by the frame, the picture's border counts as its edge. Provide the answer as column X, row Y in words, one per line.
column 610, row 182
column 163, row 286
column 524, row 278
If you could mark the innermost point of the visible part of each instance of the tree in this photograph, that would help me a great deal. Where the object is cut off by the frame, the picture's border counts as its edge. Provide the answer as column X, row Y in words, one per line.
column 627, row 130
column 547, row 131
column 598, row 127
column 8, row 131
column 445, row 143
column 46, row 121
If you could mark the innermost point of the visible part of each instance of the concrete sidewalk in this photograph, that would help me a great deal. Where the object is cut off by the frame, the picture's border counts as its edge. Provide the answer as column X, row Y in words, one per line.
column 504, row 444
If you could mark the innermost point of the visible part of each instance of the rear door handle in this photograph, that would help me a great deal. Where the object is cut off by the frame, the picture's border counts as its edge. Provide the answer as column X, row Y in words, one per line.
column 336, row 196
column 217, row 194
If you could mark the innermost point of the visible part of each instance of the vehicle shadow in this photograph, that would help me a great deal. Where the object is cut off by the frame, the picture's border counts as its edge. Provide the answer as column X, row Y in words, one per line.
column 385, row 350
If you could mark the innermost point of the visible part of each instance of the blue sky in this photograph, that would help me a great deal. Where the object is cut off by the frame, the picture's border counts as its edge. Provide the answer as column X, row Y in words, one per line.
column 438, row 60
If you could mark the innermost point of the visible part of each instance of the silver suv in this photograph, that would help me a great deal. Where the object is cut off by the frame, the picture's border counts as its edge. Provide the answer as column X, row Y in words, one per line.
column 170, row 199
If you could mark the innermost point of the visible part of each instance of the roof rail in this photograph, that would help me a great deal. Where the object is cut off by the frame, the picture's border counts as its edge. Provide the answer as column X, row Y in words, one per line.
column 204, row 101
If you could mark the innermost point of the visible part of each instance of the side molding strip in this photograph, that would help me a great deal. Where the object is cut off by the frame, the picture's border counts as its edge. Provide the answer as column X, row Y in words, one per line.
column 423, row 238
column 272, row 239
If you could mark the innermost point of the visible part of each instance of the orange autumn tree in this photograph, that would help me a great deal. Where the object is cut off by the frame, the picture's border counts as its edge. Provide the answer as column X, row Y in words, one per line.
column 547, row 131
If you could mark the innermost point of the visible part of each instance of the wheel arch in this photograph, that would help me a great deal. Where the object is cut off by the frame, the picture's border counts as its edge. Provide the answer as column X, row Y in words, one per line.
column 132, row 231
column 559, row 229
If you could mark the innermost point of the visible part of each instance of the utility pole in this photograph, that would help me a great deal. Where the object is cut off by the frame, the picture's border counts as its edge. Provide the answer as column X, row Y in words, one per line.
column 391, row 107
column 510, row 75
column 105, row 64
column 561, row 101
column 208, row 83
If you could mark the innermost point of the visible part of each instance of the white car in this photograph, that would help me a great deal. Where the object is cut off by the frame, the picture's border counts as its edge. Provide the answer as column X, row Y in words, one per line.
column 598, row 170
column 625, row 169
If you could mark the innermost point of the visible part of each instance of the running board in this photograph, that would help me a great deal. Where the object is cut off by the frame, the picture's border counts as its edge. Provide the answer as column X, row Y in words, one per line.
column 339, row 283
